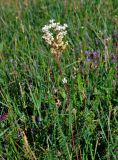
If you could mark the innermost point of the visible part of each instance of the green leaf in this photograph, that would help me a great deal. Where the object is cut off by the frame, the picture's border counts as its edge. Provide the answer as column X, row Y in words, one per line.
column 1, row 46
column 2, row 133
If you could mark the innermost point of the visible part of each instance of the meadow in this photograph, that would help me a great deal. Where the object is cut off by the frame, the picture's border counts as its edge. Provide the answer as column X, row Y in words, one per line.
column 63, row 108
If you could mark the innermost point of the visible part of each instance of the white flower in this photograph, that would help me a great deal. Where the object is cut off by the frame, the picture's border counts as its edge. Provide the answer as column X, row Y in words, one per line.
column 45, row 28
column 54, row 34
column 65, row 25
column 74, row 111
column 53, row 25
column 64, row 80
column 51, row 21
column 58, row 103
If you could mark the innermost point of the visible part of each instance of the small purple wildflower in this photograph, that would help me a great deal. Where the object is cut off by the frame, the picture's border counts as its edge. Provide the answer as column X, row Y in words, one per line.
column 87, row 53
column 92, row 56
column 33, row 130
column 19, row 134
column 88, row 59
column 3, row 117
column 95, row 55
column 113, row 58
column 30, row 82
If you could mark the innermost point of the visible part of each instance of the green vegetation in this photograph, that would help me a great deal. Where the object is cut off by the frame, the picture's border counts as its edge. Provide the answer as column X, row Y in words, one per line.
column 40, row 116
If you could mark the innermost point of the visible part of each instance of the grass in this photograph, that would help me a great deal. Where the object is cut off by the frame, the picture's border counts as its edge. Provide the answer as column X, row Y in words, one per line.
column 32, row 124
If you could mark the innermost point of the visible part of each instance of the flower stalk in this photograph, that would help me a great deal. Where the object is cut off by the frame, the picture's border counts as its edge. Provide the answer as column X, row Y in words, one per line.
column 54, row 34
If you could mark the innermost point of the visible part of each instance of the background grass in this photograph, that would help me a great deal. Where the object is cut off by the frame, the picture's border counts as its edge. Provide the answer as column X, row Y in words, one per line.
column 32, row 126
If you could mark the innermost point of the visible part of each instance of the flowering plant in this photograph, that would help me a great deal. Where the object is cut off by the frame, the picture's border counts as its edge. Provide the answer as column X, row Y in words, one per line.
column 54, row 34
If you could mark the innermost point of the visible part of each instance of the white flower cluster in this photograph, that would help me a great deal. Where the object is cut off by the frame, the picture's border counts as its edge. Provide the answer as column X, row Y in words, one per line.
column 55, row 38
column 64, row 80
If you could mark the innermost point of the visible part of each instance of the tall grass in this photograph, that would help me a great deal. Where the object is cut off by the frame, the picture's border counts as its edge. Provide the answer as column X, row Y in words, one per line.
column 32, row 124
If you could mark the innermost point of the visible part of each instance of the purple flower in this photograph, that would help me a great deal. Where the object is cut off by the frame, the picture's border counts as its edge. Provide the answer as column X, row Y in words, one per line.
column 19, row 134
column 3, row 117
column 30, row 82
column 92, row 56
column 88, row 59
column 87, row 53
column 33, row 130
column 113, row 58
column 95, row 54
